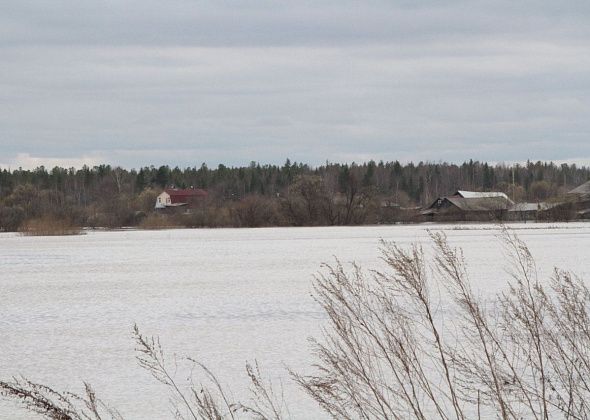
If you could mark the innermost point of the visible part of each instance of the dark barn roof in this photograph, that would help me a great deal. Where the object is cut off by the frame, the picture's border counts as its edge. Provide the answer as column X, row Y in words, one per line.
column 481, row 204
column 583, row 189
column 476, row 203
column 184, row 195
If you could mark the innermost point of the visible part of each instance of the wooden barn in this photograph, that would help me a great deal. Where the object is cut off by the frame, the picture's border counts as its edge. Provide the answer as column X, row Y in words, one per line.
column 523, row 212
column 469, row 206
column 574, row 205
column 583, row 191
column 580, row 197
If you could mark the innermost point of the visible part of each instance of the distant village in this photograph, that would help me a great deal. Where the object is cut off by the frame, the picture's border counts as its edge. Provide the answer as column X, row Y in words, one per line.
column 457, row 207
column 292, row 194
column 481, row 206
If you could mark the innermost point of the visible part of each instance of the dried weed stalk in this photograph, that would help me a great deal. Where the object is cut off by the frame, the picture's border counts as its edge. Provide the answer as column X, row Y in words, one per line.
column 417, row 342
column 55, row 405
column 208, row 400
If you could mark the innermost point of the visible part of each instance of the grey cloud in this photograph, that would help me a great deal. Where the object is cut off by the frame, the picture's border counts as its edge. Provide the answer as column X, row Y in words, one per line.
column 215, row 23
column 186, row 81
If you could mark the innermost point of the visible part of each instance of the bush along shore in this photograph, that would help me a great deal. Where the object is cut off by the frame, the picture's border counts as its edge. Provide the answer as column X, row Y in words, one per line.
column 49, row 226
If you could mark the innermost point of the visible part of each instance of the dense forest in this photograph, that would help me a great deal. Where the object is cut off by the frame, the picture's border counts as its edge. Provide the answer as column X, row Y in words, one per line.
column 293, row 194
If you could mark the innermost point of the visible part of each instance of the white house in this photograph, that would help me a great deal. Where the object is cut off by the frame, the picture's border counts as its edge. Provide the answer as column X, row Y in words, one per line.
column 163, row 200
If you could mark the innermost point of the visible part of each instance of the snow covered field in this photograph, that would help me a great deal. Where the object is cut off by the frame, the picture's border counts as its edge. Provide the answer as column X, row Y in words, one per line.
column 223, row 296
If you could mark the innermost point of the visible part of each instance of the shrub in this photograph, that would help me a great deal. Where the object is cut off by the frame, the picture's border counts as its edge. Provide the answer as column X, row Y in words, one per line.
column 256, row 211
column 11, row 218
column 158, row 221
column 49, row 226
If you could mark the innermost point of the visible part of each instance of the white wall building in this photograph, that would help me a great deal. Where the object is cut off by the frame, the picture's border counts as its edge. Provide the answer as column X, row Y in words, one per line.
column 163, row 200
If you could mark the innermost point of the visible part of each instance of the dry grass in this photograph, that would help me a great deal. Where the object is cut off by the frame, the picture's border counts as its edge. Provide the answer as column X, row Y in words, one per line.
column 156, row 221
column 41, row 399
column 387, row 355
column 49, row 226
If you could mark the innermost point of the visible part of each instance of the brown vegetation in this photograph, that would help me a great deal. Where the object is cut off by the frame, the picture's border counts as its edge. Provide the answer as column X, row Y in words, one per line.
column 293, row 194
column 387, row 355
column 49, row 226
column 388, row 352
column 157, row 221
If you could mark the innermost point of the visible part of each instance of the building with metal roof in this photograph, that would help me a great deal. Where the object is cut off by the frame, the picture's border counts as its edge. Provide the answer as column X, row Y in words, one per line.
column 582, row 190
column 469, row 205
column 477, row 194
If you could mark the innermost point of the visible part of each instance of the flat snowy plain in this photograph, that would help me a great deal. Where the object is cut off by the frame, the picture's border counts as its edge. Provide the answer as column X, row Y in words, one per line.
column 222, row 296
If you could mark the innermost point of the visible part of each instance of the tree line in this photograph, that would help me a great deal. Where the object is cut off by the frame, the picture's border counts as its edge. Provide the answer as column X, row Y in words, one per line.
column 292, row 194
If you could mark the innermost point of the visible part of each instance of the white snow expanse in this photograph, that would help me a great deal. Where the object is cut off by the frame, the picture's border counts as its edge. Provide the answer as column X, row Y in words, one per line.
column 222, row 296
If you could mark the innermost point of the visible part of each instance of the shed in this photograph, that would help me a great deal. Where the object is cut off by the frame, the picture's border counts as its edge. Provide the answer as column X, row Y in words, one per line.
column 528, row 211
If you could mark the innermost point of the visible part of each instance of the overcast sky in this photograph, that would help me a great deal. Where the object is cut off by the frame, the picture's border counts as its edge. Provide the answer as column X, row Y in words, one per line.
column 181, row 82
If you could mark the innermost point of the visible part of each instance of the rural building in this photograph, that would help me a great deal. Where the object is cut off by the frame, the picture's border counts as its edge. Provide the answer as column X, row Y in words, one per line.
column 523, row 212
column 176, row 197
column 469, row 206
column 580, row 197
column 574, row 205
column 581, row 192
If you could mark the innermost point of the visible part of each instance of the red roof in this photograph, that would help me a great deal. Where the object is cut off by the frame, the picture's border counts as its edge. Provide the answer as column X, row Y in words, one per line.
column 184, row 195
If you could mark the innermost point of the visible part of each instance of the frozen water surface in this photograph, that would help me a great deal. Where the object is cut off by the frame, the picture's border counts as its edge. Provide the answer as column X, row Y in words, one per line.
column 223, row 296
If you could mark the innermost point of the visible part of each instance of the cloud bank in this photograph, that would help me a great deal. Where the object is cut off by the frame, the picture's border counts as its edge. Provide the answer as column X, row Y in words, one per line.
column 188, row 81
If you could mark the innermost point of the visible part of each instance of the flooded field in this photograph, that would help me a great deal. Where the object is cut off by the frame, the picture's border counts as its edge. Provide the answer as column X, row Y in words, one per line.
column 223, row 296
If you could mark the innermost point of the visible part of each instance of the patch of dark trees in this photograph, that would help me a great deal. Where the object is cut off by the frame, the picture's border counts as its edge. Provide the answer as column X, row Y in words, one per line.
column 294, row 194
